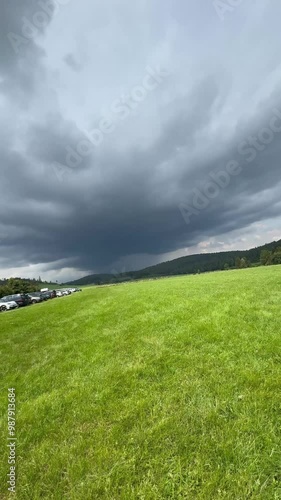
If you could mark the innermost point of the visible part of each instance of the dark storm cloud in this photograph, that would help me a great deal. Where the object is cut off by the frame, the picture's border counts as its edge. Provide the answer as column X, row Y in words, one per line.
column 92, row 223
column 124, row 197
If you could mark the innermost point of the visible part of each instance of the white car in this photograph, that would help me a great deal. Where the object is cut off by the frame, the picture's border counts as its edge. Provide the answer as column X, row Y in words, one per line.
column 6, row 306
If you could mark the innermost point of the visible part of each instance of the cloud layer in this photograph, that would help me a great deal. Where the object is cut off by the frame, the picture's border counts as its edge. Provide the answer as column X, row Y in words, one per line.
column 115, row 115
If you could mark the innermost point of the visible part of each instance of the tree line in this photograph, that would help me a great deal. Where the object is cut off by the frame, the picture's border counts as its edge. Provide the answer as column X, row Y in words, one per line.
column 18, row 285
column 269, row 258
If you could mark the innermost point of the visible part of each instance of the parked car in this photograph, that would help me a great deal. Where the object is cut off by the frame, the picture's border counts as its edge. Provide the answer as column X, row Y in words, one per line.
column 21, row 299
column 38, row 294
column 51, row 294
column 35, row 298
column 6, row 305
column 62, row 292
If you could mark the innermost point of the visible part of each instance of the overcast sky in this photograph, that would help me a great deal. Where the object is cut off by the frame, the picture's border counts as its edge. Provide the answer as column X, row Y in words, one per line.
column 114, row 117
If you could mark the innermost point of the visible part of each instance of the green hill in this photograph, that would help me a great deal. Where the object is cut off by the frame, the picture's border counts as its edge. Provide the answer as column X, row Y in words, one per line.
column 184, row 265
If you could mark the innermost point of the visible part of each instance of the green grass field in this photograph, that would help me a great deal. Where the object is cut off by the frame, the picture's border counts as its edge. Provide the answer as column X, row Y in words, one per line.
column 150, row 390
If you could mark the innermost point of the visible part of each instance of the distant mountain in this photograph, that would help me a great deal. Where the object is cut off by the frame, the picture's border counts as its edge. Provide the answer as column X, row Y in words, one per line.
column 93, row 279
column 184, row 265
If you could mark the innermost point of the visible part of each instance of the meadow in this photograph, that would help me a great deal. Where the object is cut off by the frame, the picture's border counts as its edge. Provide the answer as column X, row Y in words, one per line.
column 161, row 389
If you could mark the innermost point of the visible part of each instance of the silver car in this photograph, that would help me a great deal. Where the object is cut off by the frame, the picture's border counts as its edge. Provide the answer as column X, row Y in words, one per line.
column 35, row 299
column 6, row 305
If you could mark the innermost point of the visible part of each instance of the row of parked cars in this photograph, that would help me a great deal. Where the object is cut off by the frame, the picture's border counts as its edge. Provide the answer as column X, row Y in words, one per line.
column 24, row 299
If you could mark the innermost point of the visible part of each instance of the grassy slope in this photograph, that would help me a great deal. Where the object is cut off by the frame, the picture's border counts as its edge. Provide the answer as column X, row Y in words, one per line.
column 150, row 390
